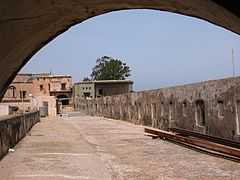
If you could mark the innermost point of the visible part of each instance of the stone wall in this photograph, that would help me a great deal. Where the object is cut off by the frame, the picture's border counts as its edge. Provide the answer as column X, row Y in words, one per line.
column 211, row 107
column 14, row 128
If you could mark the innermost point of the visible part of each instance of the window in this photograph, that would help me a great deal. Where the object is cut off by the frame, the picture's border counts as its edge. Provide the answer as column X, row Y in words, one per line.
column 13, row 92
column 13, row 89
column 96, row 107
column 200, row 113
column 63, row 86
column 100, row 91
column 41, row 87
column 23, row 94
column 49, row 87
column 220, row 109
column 89, row 88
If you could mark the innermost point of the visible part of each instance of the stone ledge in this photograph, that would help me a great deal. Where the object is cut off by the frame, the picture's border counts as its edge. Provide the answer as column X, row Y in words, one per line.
column 14, row 128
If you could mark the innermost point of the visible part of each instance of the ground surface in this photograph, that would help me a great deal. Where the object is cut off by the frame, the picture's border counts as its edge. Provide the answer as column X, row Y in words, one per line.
column 100, row 149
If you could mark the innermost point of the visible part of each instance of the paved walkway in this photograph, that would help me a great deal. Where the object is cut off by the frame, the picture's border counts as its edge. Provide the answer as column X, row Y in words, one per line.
column 100, row 149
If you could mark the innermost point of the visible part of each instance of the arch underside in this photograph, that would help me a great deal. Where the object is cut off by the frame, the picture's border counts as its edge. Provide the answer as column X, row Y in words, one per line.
column 26, row 26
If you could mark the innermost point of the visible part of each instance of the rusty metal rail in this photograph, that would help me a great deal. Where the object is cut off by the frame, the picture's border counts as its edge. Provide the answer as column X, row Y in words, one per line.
column 197, row 143
column 215, row 139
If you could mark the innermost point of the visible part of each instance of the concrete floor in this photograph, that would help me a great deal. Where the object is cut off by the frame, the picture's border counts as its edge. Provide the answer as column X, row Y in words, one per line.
column 100, row 149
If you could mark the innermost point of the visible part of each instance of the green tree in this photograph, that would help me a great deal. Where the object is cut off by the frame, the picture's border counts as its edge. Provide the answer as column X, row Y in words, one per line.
column 108, row 68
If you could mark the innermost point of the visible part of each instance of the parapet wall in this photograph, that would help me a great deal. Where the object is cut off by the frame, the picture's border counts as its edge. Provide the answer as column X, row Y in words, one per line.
column 211, row 107
column 14, row 128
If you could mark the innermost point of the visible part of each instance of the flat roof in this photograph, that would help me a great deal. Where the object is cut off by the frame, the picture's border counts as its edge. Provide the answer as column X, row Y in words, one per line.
column 106, row 82
column 39, row 75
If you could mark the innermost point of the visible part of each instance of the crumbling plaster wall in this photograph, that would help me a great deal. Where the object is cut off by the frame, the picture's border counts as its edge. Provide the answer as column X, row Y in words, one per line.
column 176, row 107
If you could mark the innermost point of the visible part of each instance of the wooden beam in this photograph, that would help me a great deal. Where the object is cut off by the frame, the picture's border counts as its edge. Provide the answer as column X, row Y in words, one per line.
column 194, row 141
column 215, row 139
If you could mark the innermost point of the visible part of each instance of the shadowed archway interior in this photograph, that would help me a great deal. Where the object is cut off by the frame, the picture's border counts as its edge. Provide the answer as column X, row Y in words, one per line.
column 26, row 26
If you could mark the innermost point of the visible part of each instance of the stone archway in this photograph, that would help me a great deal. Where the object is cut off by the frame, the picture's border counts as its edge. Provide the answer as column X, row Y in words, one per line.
column 26, row 26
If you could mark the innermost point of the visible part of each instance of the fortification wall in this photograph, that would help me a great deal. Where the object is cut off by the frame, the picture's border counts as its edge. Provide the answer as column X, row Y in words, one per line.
column 211, row 107
column 14, row 128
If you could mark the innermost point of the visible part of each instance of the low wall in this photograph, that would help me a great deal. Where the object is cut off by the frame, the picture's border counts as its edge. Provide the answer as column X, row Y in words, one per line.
column 14, row 128
column 211, row 107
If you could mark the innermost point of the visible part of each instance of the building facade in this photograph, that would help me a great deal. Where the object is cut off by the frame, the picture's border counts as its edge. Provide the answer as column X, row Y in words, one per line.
column 44, row 91
column 96, row 89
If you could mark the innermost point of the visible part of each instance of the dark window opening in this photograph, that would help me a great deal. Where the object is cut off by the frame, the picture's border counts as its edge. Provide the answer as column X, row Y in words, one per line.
column 13, row 89
column 65, row 102
column 23, row 94
column 63, row 86
column 100, row 91
column 220, row 109
column 41, row 87
column 13, row 92
column 49, row 87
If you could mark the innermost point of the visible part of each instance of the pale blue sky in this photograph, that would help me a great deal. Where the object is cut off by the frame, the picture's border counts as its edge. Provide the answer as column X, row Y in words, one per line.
column 162, row 49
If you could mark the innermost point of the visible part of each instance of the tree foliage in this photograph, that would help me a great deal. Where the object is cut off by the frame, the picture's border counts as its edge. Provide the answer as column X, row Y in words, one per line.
column 108, row 68
column 86, row 79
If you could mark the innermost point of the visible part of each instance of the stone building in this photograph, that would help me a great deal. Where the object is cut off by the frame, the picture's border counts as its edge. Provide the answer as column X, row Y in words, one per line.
column 211, row 107
column 45, row 91
column 96, row 89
